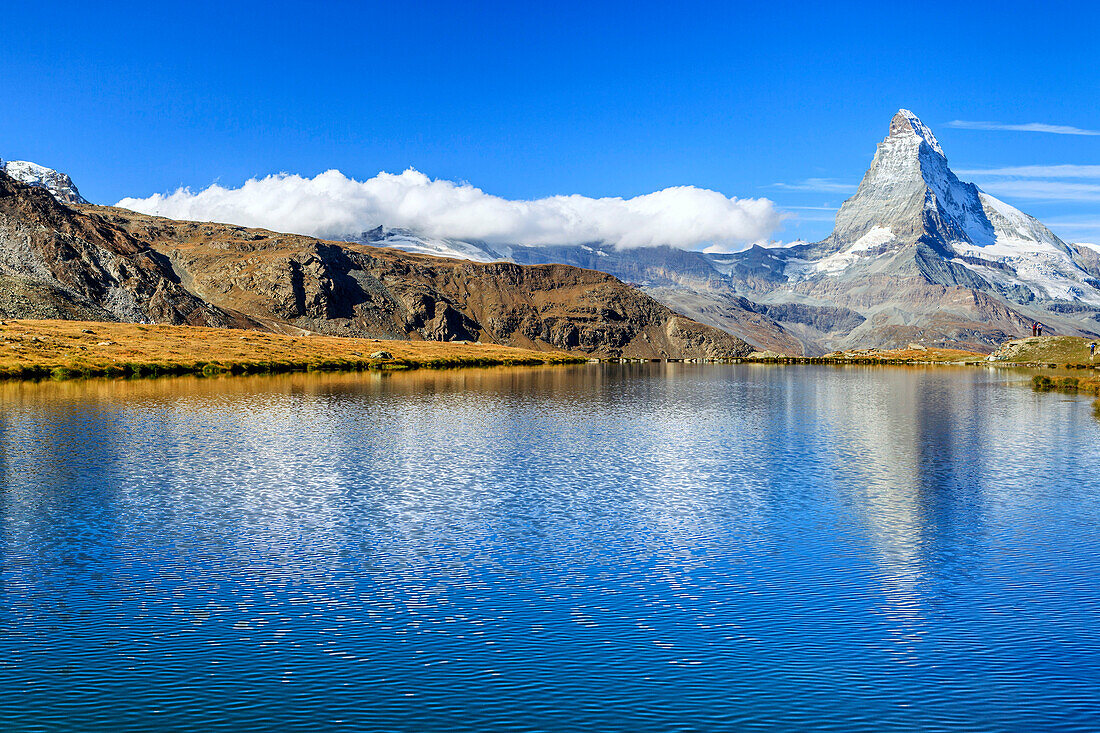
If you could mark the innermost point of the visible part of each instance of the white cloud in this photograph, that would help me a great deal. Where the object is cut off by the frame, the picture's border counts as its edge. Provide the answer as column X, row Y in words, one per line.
column 1025, row 127
column 1074, row 223
column 1077, row 229
column 822, row 185
column 332, row 205
column 1037, row 171
column 1045, row 190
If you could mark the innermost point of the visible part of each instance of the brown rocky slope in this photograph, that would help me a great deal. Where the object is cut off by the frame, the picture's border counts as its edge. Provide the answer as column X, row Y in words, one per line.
column 57, row 263
column 103, row 263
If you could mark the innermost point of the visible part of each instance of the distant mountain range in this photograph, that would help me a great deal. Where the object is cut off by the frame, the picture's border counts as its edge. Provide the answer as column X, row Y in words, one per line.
column 916, row 255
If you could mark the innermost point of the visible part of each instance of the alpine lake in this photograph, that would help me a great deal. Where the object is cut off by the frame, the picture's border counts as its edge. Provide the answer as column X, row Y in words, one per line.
column 634, row 547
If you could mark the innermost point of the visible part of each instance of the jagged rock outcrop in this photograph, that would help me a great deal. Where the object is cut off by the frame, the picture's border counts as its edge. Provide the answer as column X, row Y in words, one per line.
column 357, row 289
column 39, row 176
column 59, row 263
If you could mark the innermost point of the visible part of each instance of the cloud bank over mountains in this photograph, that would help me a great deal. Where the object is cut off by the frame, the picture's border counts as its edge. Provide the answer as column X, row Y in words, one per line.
column 331, row 205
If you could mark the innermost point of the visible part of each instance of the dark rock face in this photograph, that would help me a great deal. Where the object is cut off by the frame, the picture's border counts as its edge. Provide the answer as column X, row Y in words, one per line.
column 1088, row 259
column 824, row 318
column 66, row 263
column 101, row 263
column 357, row 289
column 658, row 266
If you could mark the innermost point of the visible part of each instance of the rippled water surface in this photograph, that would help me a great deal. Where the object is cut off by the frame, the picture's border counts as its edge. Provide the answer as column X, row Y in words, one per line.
column 649, row 547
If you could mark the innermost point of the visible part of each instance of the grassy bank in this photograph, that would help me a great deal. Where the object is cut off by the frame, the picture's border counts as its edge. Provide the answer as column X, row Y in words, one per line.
column 1047, row 351
column 1069, row 385
column 70, row 349
column 908, row 356
column 1044, row 352
column 1086, row 385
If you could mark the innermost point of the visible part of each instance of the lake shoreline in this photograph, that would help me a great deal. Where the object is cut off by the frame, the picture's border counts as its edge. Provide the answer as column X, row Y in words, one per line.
column 36, row 350
column 54, row 349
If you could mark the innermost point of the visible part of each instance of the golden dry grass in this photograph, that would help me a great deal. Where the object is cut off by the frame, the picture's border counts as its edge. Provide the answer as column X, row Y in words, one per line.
column 36, row 349
column 1047, row 350
column 930, row 355
column 1088, row 385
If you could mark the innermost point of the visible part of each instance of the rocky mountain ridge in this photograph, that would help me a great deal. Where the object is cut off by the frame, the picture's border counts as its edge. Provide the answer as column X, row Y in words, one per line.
column 88, row 262
column 916, row 255
column 33, row 174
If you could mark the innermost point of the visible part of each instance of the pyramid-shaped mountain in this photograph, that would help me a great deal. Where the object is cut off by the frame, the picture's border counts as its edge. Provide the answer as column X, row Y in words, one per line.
column 910, row 196
column 922, row 255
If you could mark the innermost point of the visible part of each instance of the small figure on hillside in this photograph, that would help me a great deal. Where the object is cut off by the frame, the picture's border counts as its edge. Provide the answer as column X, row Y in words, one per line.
column 1092, row 351
column 1034, row 329
column 1038, row 329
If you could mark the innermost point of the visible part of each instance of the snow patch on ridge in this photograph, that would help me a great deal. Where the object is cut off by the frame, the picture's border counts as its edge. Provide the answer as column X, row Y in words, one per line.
column 408, row 241
column 39, row 176
column 1035, row 257
column 798, row 270
column 876, row 237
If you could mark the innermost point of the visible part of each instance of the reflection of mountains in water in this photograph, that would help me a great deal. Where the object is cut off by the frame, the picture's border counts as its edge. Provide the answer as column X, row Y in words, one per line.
column 915, row 478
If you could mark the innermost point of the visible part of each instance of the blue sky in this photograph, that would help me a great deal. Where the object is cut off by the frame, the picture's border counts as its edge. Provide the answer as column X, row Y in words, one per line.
column 526, row 100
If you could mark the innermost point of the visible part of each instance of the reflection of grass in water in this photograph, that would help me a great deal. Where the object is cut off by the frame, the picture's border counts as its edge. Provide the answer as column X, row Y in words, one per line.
column 1043, row 383
column 1070, row 385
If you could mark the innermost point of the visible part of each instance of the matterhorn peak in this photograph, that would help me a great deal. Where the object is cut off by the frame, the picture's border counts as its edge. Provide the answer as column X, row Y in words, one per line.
column 905, row 123
column 909, row 196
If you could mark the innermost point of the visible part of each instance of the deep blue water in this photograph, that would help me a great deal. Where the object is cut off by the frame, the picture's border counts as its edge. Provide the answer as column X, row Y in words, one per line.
column 644, row 547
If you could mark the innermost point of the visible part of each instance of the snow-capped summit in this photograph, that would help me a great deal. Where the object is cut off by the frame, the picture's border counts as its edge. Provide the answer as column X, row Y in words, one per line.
column 909, row 197
column 57, row 183
column 910, row 191
column 920, row 254
column 905, row 123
